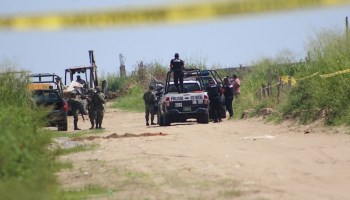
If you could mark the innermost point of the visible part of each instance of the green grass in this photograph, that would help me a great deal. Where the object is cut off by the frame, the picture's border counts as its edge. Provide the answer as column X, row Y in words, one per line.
column 87, row 192
column 132, row 101
column 329, row 53
column 26, row 166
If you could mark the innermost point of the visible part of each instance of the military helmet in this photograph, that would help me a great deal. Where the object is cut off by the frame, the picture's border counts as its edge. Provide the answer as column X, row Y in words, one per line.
column 176, row 55
column 151, row 87
column 98, row 88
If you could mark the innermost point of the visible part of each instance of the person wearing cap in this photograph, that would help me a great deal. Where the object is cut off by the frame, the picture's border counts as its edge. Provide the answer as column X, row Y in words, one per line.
column 91, row 108
column 150, row 98
column 177, row 66
column 76, row 107
column 99, row 101
column 79, row 80
column 214, row 94
column 227, row 90
column 236, row 83
column 60, row 84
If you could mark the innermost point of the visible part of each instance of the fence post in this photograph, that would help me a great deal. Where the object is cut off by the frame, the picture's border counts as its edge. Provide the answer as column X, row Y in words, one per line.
column 122, row 69
column 269, row 88
column 278, row 88
column 347, row 28
column 263, row 86
column 259, row 93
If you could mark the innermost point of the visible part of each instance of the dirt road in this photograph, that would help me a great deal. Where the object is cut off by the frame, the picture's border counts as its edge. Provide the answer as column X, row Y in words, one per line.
column 234, row 159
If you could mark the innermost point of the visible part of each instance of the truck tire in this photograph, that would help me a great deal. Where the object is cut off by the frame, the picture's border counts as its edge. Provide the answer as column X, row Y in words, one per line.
column 203, row 119
column 62, row 126
column 160, row 119
column 166, row 121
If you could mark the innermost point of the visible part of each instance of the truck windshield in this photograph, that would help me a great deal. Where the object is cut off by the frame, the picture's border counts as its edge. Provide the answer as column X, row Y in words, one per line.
column 188, row 87
column 46, row 95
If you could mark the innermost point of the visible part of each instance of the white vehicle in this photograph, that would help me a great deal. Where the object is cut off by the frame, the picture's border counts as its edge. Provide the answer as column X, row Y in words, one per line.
column 192, row 104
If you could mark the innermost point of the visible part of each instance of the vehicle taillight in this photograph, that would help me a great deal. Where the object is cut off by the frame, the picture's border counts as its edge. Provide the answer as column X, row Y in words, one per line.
column 205, row 99
column 167, row 101
column 65, row 106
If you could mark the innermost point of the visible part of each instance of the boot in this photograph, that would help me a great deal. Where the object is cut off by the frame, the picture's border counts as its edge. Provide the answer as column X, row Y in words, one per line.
column 92, row 126
column 152, row 119
column 76, row 126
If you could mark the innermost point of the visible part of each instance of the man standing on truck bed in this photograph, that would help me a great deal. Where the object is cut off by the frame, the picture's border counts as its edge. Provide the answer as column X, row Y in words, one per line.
column 177, row 65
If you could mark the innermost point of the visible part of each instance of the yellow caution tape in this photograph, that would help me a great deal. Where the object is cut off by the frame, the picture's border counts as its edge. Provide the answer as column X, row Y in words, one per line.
column 312, row 75
column 335, row 73
column 285, row 79
column 173, row 13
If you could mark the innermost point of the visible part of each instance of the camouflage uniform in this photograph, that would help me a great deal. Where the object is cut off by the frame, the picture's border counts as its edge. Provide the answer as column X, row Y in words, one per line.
column 149, row 98
column 76, row 106
column 91, row 108
column 98, row 100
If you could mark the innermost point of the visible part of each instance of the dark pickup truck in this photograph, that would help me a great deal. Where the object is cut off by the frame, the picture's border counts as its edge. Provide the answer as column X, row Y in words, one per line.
column 48, row 93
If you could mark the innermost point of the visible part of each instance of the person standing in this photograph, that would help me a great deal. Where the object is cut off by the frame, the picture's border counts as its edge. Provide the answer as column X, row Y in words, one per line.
column 214, row 100
column 59, row 84
column 236, row 83
column 91, row 108
column 76, row 107
column 227, row 90
column 99, row 101
column 150, row 99
column 79, row 80
column 177, row 65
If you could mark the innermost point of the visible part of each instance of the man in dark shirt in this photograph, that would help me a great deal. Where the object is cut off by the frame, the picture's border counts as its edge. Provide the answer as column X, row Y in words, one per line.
column 214, row 100
column 227, row 90
column 177, row 66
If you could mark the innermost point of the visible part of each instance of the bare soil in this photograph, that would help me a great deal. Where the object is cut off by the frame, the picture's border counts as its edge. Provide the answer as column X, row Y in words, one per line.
column 235, row 159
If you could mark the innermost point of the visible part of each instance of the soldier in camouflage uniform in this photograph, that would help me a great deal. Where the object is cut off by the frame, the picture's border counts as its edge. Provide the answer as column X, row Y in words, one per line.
column 98, row 101
column 76, row 107
column 149, row 98
column 91, row 108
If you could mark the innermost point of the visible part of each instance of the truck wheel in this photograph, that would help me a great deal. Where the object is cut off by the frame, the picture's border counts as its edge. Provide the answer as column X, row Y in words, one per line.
column 166, row 121
column 203, row 119
column 160, row 119
column 223, row 111
column 63, row 125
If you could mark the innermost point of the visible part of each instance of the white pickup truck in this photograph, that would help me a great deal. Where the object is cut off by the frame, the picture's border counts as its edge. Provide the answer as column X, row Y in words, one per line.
column 179, row 107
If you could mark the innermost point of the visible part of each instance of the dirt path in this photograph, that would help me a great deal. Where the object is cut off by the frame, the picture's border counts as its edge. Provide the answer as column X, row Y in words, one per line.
column 242, row 159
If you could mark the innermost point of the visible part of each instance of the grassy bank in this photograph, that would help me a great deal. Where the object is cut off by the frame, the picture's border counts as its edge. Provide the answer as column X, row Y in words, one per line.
column 26, row 166
column 315, row 95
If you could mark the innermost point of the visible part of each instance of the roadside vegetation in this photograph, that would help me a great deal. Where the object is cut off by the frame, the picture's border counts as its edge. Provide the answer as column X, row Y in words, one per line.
column 311, row 98
column 27, row 164
column 322, row 89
